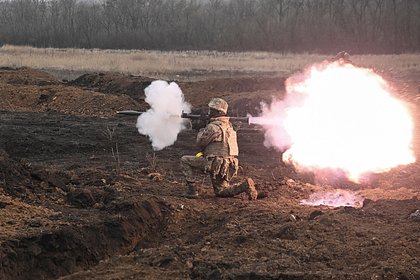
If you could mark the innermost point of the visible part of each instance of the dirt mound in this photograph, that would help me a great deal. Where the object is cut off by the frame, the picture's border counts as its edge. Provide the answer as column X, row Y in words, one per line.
column 82, row 242
column 28, row 90
column 28, row 183
column 26, row 76
column 116, row 84
column 46, row 230
column 69, row 100
column 244, row 94
column 235, row 85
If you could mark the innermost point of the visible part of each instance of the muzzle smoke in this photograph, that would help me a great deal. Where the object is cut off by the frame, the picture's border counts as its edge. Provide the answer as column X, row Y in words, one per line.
column 162, row 122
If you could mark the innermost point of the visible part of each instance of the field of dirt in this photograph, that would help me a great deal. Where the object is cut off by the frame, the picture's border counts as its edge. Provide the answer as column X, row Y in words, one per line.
column 83, row 195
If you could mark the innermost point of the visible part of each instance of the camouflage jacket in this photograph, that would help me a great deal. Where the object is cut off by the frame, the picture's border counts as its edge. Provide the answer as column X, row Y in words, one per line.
column 218, row 138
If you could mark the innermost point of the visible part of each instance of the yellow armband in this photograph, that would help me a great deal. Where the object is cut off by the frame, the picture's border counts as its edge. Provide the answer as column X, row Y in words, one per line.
column 199, row 154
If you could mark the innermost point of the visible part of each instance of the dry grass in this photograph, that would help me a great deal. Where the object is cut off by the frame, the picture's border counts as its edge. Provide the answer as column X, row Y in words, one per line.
column 151, row 63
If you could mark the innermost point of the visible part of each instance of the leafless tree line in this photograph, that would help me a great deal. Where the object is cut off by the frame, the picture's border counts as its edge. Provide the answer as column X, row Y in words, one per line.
column 323, row 26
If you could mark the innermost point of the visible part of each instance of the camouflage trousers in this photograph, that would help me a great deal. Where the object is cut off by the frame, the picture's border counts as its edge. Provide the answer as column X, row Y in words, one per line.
column 221, row 170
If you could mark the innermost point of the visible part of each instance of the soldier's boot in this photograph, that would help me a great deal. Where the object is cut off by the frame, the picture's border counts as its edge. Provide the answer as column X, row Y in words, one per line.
column 262, row 194
column 250, row 190
column 192, row 191
column 247, row 187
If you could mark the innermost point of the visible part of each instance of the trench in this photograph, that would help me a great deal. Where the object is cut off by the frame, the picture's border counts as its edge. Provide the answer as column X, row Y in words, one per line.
column 123, row 223
column 72, row 248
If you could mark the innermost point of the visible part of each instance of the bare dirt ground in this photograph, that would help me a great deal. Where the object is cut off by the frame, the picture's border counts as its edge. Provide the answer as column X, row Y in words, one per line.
column 83, row 196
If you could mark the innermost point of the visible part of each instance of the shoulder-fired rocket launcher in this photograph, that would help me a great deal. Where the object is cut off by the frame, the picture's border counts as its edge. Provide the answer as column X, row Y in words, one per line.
column 187, row 116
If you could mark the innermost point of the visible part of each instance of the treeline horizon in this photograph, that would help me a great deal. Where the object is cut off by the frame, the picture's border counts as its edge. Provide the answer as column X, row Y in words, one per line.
column 314, row 26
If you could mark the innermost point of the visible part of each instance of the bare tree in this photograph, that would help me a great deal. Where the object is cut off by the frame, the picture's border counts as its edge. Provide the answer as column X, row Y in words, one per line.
column 378, row 26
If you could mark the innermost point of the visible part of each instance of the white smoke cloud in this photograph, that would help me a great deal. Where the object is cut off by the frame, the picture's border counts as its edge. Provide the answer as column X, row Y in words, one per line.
column 162, row 122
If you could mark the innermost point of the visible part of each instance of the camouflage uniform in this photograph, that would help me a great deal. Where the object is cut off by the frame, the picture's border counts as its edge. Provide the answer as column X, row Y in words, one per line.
column 220, row 148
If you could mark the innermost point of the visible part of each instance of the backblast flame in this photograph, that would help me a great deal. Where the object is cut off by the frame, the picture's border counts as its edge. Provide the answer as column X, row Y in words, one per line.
column 341, row 117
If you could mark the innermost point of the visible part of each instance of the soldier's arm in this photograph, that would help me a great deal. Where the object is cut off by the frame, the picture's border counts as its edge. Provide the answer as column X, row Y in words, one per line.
column 207, row 135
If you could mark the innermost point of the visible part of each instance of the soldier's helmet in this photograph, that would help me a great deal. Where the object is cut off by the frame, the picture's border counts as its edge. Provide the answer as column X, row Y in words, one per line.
column 343, row 55
column 218, row 104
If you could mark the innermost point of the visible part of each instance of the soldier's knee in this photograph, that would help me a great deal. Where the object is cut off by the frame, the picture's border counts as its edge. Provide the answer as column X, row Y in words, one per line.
column 188, row 158
column 221, row 189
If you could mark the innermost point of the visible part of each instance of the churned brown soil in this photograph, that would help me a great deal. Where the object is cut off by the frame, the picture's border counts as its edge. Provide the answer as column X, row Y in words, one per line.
column 83, row 195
